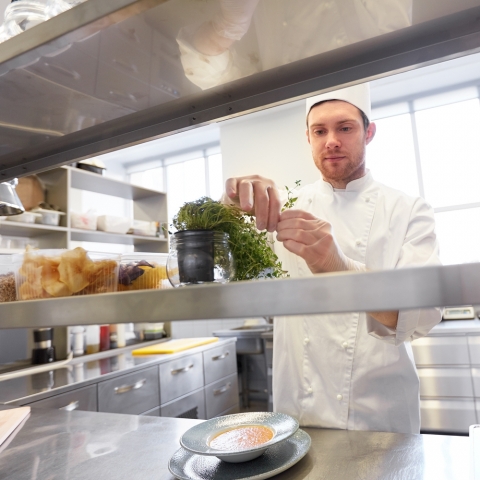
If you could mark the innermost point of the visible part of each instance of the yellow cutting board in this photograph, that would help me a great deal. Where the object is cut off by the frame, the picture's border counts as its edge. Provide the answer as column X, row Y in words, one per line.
column 174, row 346
column 10, row 419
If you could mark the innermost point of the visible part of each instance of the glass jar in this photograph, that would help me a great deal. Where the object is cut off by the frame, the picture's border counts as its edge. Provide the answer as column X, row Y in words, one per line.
column 143, row 271
column 199, row 256
column 24, row 14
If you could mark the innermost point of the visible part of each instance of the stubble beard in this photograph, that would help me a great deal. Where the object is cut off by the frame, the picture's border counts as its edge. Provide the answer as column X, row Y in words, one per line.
column 351, row 168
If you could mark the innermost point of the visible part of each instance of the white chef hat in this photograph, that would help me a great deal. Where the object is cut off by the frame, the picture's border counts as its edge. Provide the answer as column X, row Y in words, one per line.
column 358, row 95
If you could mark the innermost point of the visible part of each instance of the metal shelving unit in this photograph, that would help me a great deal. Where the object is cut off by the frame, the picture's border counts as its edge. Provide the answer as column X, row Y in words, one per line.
column 329, row 293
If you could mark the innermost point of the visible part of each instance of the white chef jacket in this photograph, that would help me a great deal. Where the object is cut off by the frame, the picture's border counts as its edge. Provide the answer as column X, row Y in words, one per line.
column 348, row 371
column 288, row 30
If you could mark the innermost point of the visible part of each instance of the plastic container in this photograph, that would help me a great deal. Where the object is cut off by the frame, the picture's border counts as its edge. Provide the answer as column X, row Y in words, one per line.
column 144, row 228
column 63, row 273
column 112, row 224
column 199, row 256
column 85, row 221
column 8, row 292
column 18, row 243
column 26, row 217
column 24, row 14
column 143, row 271
column 48, row 217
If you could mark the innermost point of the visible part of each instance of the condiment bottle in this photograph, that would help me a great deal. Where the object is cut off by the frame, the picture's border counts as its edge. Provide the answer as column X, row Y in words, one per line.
column 104, row 337
column 93, row 339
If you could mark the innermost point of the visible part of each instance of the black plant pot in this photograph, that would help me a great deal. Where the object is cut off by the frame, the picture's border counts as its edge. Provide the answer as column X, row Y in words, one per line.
column 196, row 255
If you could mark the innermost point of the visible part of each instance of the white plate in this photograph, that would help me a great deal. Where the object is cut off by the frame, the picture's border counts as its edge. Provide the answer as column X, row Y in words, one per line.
column 197, row 439
column 278, row 458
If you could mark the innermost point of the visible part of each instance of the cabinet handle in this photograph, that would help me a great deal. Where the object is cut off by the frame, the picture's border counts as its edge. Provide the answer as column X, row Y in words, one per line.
column 64, row 71
column 128, row 388
column 221, row 357
column 71, row 406
column 181, row 370
column 126, row 66
column 223, row 389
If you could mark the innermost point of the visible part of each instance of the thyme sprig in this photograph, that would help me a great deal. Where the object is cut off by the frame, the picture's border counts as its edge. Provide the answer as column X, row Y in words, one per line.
column 290, row 198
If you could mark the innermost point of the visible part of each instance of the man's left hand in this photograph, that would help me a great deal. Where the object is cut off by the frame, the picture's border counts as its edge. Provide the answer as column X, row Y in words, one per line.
column 312, row 239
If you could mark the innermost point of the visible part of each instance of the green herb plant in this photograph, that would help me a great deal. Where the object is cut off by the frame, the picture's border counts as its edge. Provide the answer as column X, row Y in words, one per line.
column 250, row 248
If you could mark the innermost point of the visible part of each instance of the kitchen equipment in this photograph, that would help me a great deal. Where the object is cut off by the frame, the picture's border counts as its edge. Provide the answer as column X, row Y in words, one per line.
column 278, row 458
column 197, row 439
column 10, row 203
column 113, row 224
column 199, row 256
column 43, row 350
column 47, row 217
column 25, row 217
column 458, row 313
column 10, row 419
column 174, row 346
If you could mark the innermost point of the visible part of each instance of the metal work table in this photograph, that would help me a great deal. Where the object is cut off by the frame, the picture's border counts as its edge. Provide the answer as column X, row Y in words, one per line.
column 81, row 445
column 83, row 371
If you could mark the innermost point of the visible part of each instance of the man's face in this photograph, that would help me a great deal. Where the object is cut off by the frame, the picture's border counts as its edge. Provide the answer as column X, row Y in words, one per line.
column 337, row 137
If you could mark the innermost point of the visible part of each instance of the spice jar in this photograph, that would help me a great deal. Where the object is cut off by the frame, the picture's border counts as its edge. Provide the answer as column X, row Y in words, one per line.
column 8, row 291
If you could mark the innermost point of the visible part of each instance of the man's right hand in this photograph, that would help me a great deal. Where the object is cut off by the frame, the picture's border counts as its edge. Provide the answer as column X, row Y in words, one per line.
column 256, row 195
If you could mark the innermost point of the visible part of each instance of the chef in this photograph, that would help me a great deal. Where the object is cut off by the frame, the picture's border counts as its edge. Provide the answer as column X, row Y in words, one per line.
column 350, row 371
column 283, row 31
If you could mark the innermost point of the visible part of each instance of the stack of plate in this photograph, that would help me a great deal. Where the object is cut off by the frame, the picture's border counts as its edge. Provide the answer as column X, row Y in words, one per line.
column 199, row 460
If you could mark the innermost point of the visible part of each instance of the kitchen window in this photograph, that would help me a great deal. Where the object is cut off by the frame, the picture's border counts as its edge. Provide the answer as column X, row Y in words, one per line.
column 431, row 147
column 184, row 177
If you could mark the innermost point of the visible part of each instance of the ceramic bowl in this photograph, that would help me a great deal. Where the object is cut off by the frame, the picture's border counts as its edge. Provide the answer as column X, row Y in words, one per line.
column 197, row 439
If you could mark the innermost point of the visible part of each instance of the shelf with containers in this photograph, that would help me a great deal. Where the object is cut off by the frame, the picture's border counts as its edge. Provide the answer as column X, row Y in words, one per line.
column 148, row 205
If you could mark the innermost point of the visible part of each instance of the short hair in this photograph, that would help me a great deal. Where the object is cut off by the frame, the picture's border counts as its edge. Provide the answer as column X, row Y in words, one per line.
column 365, row 120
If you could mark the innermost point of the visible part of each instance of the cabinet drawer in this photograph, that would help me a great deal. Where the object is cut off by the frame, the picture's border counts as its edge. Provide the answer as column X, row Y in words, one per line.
column 180, row 377
column 188, row 406
column 441, row 351
column 474, row 348
column 134, row 393
column 453, row 416
column 81, row 399
column 219, row 362
column 445, row 382
column 221, row 395
column 476, row 382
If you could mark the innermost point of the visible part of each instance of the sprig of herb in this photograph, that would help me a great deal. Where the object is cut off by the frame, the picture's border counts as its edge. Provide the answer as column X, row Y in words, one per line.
column 250, row 248
column 290, row 198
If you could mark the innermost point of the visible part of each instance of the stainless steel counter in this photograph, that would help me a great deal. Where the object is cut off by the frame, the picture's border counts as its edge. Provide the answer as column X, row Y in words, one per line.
column 83, row 445
column 82, row 372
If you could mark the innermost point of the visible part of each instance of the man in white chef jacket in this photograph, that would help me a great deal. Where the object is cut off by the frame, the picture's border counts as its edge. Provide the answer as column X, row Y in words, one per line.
column 282, row 31
column 350, row 371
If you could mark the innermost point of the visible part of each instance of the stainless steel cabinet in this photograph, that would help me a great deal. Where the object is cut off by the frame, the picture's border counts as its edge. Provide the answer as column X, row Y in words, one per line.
column 80, row 399
column 445, row 382
column 454, row 416
column 180, row 377
column 133, row 393
column 474, row 349
column 448, row 350
column 221, row 395
column 219, row 362
column 188, row 406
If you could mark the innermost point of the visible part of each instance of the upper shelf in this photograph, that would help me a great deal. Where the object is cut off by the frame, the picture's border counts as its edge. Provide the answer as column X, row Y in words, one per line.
column 330, row 293
column 105, row 75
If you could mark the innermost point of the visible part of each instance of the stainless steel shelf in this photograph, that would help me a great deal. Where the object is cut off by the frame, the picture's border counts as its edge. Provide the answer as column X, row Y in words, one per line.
column 330, row 293
column 28, row 229
column 106, row 237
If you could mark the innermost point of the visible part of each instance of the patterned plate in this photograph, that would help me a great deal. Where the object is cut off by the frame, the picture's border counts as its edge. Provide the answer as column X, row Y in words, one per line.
column 278, row 458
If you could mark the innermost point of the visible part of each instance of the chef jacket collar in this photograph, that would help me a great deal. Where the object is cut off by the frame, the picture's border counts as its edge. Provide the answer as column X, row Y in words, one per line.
column 354, row 186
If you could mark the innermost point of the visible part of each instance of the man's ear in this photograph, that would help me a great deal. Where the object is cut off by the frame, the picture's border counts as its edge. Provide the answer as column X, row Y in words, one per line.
column 371, row 130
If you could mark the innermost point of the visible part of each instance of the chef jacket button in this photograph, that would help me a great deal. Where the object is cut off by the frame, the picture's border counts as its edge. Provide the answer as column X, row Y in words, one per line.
column 310, row 390
column 339, row 397
column 358, row 242
column 367, row 199
column 306, row 340
column 309, row 200
column 345, row 344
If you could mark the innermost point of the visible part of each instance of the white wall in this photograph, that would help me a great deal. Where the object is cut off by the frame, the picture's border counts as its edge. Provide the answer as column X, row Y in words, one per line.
column 271, row 143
